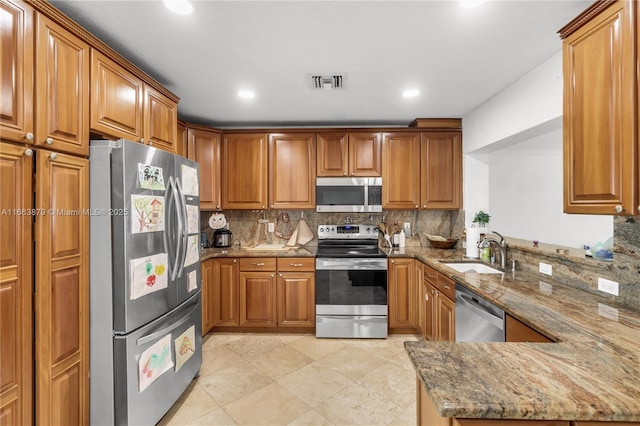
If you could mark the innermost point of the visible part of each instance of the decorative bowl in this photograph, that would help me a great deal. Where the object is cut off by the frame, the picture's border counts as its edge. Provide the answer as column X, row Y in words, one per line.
column 443, row 244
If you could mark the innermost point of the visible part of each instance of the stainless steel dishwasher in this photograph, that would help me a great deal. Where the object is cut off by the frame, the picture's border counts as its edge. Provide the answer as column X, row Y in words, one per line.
column 477, row 320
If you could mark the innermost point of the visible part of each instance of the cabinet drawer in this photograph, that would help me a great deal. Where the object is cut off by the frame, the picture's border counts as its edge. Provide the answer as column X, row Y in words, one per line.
column 258, row 264
column 296, row 264
column 447, row 286
column 430, row 275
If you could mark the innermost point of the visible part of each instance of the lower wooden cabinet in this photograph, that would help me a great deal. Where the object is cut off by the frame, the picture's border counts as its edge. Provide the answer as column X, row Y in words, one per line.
column 402, row 296
column 446, row 314
column 439, row 295
column 260, row 293
column 517, row 331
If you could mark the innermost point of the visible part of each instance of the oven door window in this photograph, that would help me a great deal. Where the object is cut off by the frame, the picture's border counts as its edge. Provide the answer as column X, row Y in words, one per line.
column 351, row 287
column 340, row 195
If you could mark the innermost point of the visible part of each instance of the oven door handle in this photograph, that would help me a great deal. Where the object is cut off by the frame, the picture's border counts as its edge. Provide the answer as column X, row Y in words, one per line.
column 352, row 318
column 331, row 264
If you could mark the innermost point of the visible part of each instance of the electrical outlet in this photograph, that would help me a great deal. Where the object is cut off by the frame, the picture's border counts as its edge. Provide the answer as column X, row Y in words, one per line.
column 608, row 286
column 407, row 229
column 545, row 288
column 272, row 227
column 545, row 268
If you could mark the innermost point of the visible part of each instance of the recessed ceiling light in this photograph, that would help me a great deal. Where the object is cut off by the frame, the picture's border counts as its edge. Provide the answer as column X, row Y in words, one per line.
column 181, row 7
column 471, row 3
column 412, row 93
column 247, row 94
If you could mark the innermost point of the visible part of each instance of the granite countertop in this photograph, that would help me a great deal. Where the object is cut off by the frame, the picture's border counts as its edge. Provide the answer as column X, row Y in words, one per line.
column 234, row 251
column 591, row 373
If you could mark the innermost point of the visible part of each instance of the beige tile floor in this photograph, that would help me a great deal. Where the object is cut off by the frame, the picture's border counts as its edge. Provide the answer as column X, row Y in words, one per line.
column 269, row 379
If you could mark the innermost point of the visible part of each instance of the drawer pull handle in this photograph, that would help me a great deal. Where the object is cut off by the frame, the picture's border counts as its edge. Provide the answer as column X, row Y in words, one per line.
column 295, row 264
column 257, row 264
column 446, row 286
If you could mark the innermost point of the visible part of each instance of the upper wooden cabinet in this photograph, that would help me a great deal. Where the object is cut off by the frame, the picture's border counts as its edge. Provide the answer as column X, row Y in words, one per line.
column 17, row 72
column 56, row 113
column 244, row 171
column 62, row 83
column 401, row 170
column 349, row 154
column 204, row 148
column 292, row 171
column 441, row 170
column 600, row 117
column 122, row 106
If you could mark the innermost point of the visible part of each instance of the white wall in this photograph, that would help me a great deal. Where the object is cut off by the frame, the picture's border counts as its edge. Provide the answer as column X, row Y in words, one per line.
column 512, row 148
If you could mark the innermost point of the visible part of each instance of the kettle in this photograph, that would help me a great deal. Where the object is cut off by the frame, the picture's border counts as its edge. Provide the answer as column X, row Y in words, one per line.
column 222, row 238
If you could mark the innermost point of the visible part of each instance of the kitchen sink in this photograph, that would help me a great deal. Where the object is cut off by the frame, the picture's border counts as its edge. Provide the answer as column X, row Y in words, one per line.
column 479, row 268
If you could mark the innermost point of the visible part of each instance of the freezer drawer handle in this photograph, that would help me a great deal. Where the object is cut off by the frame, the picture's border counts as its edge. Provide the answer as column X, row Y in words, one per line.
column 153, row 336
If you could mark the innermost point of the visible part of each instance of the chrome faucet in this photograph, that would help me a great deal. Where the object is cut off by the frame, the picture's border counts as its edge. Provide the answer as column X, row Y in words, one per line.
column 502, row 245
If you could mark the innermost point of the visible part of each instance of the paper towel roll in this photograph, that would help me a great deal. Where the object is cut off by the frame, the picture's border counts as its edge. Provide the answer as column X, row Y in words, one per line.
column 473, row 237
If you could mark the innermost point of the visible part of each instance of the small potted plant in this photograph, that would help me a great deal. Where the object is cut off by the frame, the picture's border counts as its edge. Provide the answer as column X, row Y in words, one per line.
column 481, row 220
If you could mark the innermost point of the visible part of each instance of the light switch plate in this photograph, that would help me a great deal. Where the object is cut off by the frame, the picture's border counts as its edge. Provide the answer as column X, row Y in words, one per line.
column 407, row 229
column 272, row 227
column 545, row 268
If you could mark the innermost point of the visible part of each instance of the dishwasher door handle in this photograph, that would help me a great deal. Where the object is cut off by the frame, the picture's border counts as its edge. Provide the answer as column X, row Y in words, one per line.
column 480, row 311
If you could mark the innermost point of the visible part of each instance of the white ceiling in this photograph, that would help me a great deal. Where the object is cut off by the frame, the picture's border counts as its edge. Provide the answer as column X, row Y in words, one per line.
column 458, row 58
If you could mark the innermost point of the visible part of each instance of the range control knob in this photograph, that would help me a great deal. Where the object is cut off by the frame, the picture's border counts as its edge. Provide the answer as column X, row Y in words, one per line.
column 321, row 229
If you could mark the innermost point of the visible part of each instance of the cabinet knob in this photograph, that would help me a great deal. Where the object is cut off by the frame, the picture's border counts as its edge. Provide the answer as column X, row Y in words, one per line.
column 235, row 261
column 272, row 275
column 141, row 140
column 280, row 273
column 53, row 156
column 344, row 174
column 49, row 141
column 393, row 261
column 28, row 152
column 426, row 297
column 619, row 208
column 150, row 143
column 29, row 136
column 638, row 208
column 263, row 207
column 424, row 206
column 417, row 206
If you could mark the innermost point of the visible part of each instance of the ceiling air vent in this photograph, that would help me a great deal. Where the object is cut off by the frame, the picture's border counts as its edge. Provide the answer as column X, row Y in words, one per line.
column 326, row 81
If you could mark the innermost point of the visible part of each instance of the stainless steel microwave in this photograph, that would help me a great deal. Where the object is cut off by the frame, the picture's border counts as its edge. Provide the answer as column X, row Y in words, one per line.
column 349, row 195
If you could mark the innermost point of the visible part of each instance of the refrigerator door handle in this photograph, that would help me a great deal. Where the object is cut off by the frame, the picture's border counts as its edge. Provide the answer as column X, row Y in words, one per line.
column 164, row 331
column 181, row 208
column 178, row 241
column 166, row 236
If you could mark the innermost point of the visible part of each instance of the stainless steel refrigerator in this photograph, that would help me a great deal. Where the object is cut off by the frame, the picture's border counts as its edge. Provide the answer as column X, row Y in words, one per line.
column 145, row 334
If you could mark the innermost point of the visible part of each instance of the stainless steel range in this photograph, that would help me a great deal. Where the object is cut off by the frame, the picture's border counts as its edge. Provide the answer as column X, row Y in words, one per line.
column 351, row 283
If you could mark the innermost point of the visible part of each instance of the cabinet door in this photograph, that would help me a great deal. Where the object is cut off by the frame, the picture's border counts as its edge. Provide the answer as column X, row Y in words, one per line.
column 517, row 331
column 16, row 286
column 296, row 299
column 430, row 312
column 332, row 154
column 116, row 99
column 62, row 290
column 446, row 329
column 600, row 114
column 365, row 154
column 208, row 278
column 292, row 171
column 399, row 293
column 258, row 299
column 401, row 171
column 427, row 414
column 182, row 145
column 204, row 148
column 441, row 170
column 160, row 120
column 244, row 171
column 17, row 72
column 62, row 83
column 419, row 318
column 226, row 297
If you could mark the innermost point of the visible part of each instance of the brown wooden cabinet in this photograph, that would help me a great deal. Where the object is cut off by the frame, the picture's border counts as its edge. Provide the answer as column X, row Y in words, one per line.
column 349, row 154
column 182, row 147
column 204, row 148
column 226, row 294
column 123, row 106
column 517, row 331
column 17, row 72
column 600, row 115
column 292, row 171
column 296, row 292
column 62, row 289
column 16, row 285
column 244, row 171
column 62, row 89
column 401, row 295
column 401, row 170
column 258, row 292
column 439, row 294
column 441, row 170
column 418, row 284
column 207, row 296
